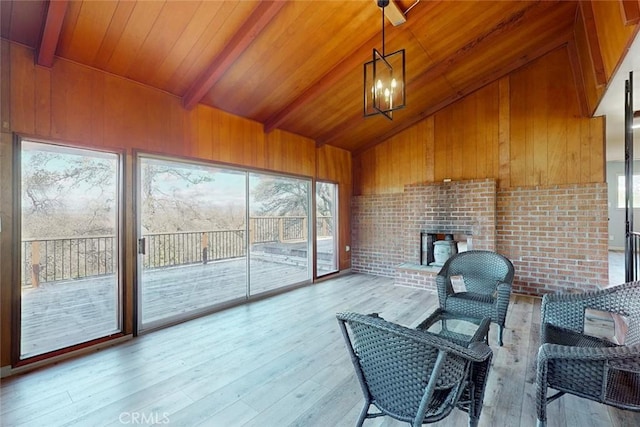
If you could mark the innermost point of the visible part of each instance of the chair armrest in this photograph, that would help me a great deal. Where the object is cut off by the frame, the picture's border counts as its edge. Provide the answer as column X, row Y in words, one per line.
column 619, row 355
column 481, row 351
column 567, row 310
column 564, row 310
column 444, row 288
column 501, row 303
column 474, row 353
column 503, row 290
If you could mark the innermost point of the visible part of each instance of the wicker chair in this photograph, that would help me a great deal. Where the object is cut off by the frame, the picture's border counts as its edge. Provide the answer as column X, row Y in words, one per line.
column 487, row 277
column 570, row 361
column 413, row 375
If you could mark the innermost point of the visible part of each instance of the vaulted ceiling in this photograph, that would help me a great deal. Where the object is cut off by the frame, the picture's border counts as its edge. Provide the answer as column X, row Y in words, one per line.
column 294, row 65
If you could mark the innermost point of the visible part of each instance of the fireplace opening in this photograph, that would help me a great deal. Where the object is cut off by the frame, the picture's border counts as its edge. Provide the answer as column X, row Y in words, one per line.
column 437, row 247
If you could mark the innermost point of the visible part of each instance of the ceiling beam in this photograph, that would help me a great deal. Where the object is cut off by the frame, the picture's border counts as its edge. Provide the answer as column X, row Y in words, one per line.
column 264, row 12
column 631, row 11
column 592, row 39
column 527, row 14
column 324, row 83
column 51, row 32
column 578, row 77
column 355, row 59
column 490, row 78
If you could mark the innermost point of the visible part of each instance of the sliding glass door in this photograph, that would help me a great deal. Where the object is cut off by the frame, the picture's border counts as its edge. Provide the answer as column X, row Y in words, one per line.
column 326, row 233
column 212, row 236
column 192, row 241
column 280, row 249
column 69, row 275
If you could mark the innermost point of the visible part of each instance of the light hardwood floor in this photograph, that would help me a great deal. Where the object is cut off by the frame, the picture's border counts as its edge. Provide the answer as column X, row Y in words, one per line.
column 275, row 362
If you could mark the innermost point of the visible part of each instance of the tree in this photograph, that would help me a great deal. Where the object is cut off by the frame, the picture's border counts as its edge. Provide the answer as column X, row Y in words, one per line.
column 67, row 194
column 276, row 196
column 324, row 199
column 164, row 208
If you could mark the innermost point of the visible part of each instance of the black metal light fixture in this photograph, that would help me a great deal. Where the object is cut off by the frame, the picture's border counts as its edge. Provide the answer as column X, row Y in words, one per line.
column 384, row 79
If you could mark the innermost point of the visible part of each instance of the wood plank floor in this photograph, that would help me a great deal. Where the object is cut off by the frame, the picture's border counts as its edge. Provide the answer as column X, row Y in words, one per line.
column 280, row 361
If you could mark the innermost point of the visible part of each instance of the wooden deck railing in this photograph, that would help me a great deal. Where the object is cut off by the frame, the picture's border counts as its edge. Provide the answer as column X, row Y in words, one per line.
column 49, row 260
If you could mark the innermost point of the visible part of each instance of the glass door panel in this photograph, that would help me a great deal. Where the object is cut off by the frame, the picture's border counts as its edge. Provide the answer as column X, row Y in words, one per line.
column 326, row 235
column 278, row 232
column 192, row 239
column 70, row 291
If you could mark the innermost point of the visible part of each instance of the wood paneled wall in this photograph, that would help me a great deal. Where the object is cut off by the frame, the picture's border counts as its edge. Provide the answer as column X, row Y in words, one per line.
column 523, row 130
column 603, row 32
column 81, row 106
column 528, row 128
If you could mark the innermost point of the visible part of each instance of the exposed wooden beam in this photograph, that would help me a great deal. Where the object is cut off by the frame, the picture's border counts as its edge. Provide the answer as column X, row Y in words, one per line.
column 578, row 78
column 527, row 14
column 630, row 11
column 355, row 60
column 490, row 78
column 515, row 20
column 264, row 12
column 323, row 84
column 594, row 44
column 51, row 32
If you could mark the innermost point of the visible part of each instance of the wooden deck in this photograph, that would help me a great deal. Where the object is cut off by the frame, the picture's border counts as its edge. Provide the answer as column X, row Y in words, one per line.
column 63, row 313
column 276, row 362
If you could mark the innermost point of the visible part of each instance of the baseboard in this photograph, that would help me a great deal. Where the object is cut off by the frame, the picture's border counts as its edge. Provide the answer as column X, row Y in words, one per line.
column 7, row 371
column 344, row 272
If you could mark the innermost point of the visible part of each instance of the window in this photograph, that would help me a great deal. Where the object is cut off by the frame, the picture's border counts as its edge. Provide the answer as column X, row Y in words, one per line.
column 211, row 236
column 326, row 232
column 69, row 284
column 192, row 245
column 636, row 191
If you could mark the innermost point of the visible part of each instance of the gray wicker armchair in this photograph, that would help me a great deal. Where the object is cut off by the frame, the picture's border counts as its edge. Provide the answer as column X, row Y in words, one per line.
column 412, row 375
column 487, row 276
column 570, row 361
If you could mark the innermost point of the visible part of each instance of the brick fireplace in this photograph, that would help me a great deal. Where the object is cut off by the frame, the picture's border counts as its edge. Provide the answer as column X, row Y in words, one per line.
column 556, row 236
column 387, row 227
column 465, row 209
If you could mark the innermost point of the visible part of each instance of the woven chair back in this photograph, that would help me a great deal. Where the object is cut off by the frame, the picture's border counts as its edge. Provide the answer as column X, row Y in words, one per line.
column 480, row 270
column 396, row 369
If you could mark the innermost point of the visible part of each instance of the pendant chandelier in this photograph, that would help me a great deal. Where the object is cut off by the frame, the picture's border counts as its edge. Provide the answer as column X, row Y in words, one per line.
column 384, row 79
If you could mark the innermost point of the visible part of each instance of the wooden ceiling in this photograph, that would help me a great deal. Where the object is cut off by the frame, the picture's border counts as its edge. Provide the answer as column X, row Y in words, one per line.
column 294, row 65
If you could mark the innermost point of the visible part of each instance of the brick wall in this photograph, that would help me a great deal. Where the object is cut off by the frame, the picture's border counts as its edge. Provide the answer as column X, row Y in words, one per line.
column 386, row 228
column 376, row 234
column 555, row 236
column 460, row 207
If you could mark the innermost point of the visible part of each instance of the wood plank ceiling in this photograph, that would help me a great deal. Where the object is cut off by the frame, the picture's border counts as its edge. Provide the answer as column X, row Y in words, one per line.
column 294, row 65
